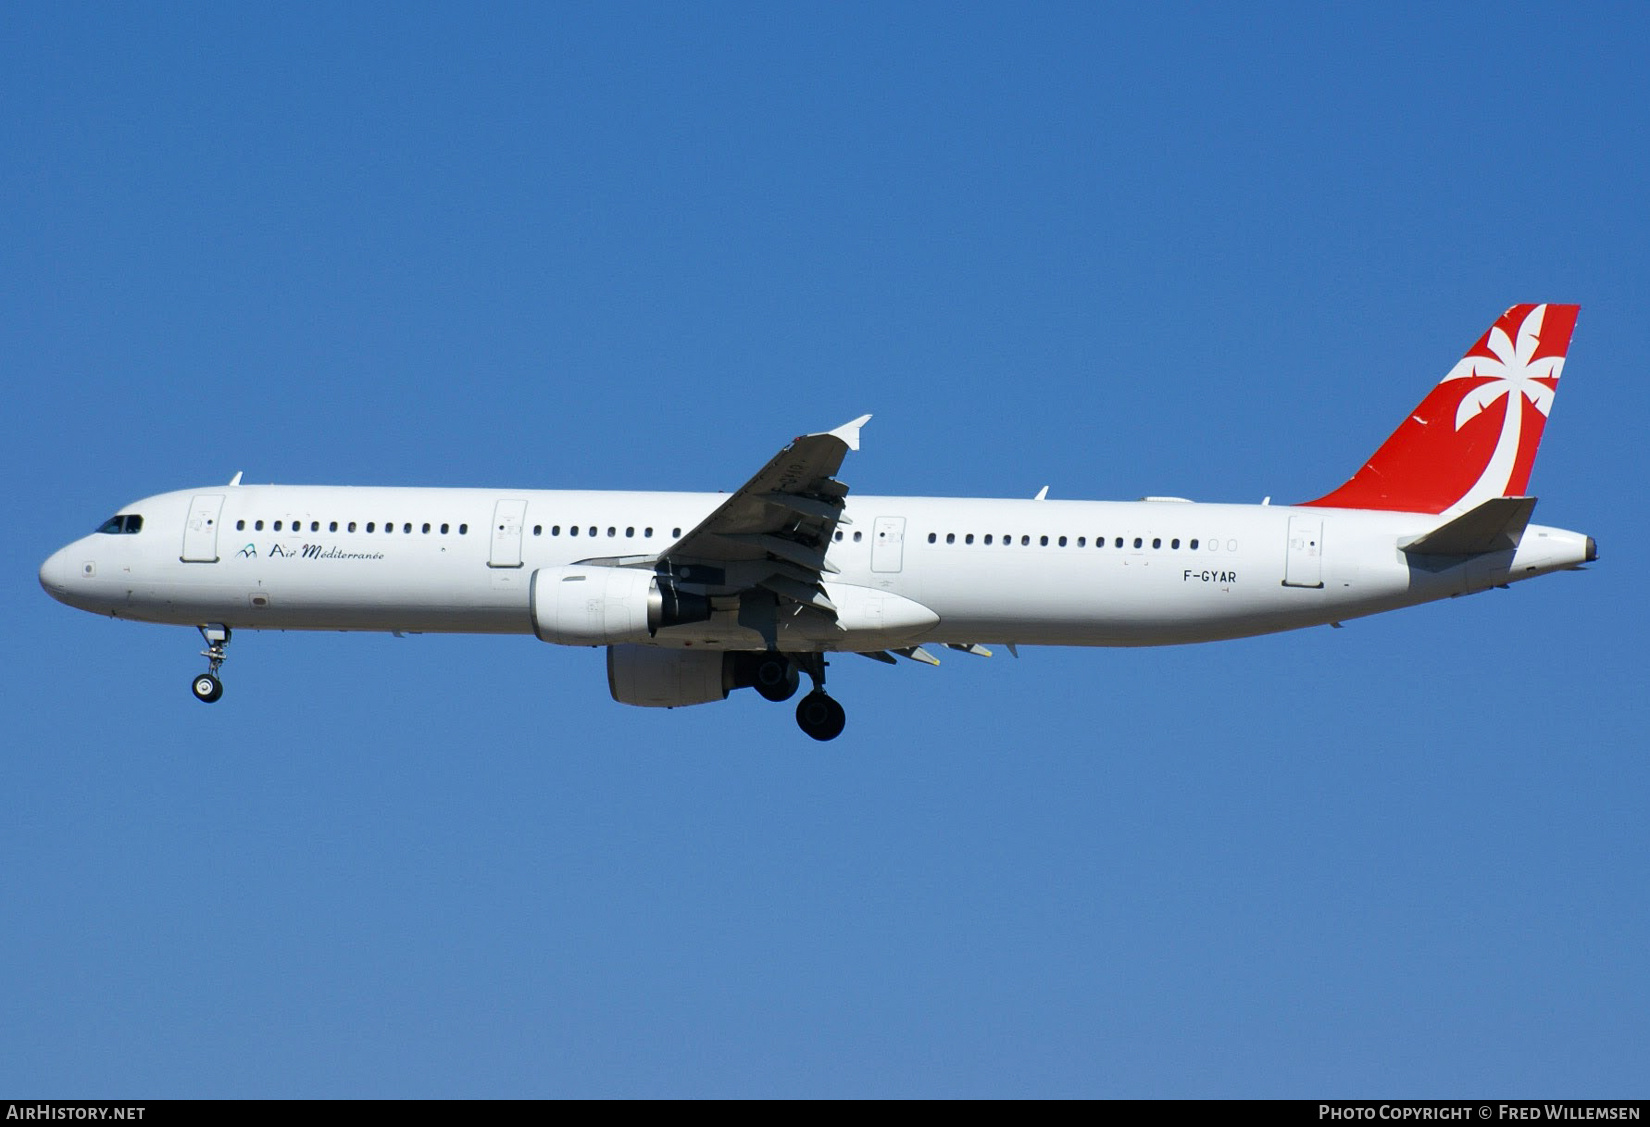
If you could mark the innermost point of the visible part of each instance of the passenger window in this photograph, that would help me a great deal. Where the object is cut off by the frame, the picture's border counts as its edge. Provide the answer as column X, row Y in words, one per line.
column 407, row 528
column 988, row 538
column 333, row 527
column 1042, row 541
column 277, row 526
column 1193, row 545
column 538, row 529
column 1119, row 542
column 1157, row 541
column 572, row 530
column 1138, row 542
column 463, row 530
column 611, row 531
column 677, row 533
column 352, row 526
column 1062, row 541
column 933, row 537
column 629, row 533
column 648, row 533
column 1175, row 543
column 950, row 537
column 858, row 536
column 592, row 530
column 969, row 539
column 240, row 526
column 1025, row 541
column 837, row 536
column 444, row 529
column 315, row 526
column 372, row 526
column 555, row 530
column 257, row 526
column 1082, row 542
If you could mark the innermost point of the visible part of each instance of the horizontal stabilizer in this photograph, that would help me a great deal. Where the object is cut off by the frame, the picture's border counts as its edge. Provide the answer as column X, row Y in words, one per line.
column 1496, row 525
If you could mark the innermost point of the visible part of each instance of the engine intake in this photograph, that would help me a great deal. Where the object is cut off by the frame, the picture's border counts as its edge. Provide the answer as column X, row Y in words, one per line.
column 597, row 605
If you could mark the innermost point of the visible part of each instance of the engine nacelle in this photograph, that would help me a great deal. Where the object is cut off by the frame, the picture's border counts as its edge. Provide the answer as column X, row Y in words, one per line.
column 657, row 678
column 592, row 605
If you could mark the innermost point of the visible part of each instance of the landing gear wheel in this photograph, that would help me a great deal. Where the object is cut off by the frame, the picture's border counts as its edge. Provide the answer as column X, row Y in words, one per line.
column 776, row 679
column 821, row 716
column 207, row 688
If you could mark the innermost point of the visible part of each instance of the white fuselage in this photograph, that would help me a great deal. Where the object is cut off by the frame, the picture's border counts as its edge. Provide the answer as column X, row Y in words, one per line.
column 1026, row 572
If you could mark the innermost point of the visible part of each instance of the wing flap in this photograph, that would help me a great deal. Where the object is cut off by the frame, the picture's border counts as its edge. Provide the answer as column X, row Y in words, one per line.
column 779, row 524
column 808, row 594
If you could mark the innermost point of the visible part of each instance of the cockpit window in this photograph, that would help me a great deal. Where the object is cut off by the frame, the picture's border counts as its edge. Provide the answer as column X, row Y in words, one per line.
column 126, row 522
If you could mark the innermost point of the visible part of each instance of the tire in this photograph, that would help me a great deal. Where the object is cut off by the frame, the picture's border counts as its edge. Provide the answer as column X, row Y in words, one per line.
column 820, row 716
column 206, row 688
column 776, row 679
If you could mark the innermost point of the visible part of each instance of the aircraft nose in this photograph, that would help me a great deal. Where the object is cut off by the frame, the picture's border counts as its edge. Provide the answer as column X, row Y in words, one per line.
column 54, row 574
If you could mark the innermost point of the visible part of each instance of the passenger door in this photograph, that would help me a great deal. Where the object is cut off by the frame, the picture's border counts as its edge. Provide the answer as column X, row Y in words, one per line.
column 200, row 530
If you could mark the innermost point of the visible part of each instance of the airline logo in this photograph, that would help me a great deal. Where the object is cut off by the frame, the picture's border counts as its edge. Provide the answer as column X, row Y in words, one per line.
column 1475, row 435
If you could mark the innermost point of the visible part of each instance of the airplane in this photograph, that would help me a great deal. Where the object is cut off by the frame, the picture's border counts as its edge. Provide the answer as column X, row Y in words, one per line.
column 694, row 595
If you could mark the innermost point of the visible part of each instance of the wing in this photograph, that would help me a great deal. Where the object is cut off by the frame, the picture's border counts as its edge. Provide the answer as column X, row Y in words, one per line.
column 773, row 532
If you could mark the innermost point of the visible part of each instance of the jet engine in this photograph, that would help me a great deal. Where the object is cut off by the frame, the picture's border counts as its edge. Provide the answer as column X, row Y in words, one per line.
column 658, row 678
column 593, row 605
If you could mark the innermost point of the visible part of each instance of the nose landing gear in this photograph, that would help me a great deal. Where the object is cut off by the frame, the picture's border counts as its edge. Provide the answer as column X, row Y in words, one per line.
column 206, row 686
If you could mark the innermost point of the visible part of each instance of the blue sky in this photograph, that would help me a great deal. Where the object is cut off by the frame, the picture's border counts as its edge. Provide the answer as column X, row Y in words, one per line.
column 1114, row 250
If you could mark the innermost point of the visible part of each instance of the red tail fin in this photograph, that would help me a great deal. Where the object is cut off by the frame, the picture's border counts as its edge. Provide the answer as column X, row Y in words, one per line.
column 1475, row 435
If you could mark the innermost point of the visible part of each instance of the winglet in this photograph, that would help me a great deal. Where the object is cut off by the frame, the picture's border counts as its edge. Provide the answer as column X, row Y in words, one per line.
column 849, row 432
column 236, row 480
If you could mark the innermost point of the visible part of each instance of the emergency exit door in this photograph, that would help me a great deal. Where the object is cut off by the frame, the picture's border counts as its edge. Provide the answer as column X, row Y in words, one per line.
column 888, row 544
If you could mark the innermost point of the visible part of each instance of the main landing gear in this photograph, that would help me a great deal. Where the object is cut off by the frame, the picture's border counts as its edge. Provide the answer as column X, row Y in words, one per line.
column 820, row 716
column 817, row 714
column 776, row 676
column 206, row 686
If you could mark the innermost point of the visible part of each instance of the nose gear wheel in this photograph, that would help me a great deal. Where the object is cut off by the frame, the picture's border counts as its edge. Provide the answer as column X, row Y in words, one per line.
column 206, row 686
